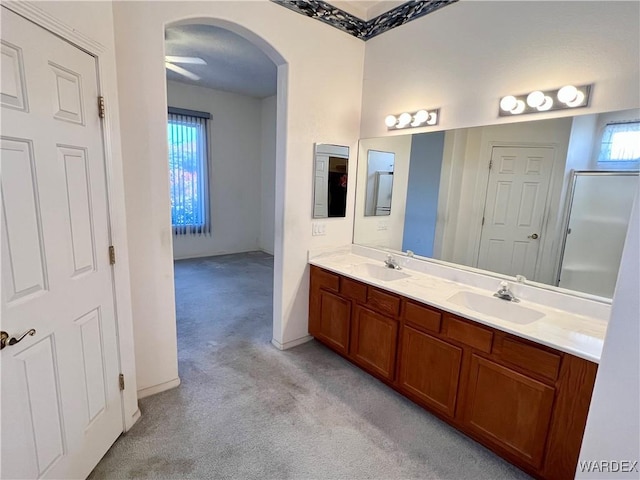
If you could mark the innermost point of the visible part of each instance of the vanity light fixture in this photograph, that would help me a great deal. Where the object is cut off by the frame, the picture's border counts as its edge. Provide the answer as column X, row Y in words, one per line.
column 421, row 118
column 568, row 96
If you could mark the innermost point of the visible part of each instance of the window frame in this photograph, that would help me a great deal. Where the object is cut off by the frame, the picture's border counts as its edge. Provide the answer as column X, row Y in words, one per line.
column 603, row 161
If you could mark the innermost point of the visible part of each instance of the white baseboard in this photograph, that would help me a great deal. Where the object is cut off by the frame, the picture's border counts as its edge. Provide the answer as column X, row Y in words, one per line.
column 219, row 254
column 146, row 392
column 292, row 343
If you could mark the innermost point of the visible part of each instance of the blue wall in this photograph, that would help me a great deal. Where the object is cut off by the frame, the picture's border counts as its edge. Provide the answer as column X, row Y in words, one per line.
column 422, row 194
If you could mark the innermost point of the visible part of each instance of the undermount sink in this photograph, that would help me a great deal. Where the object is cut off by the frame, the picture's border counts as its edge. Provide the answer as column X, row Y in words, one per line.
column 495, row 307
column 379, row 272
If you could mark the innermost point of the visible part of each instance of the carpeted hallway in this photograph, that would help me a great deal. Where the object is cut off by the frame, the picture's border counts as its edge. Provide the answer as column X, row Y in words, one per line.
column 247, row 410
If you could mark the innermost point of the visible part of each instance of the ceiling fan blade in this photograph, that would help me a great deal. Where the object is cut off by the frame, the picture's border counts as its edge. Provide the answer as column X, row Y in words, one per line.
column 179, row 59
column 182, row 71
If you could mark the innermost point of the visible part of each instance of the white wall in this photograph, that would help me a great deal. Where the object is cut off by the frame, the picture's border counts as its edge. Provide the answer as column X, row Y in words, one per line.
column 613, row 425
column 314, row 105
column 383, row 231
column 581, row 144
column 235, row 167
column 465, row 57
column 95, row 21
column 268, row 173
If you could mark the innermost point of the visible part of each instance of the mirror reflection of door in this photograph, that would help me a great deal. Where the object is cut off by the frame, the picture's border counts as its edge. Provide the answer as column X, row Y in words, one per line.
column 379, row 191
column 514, row 209
column 330, row 181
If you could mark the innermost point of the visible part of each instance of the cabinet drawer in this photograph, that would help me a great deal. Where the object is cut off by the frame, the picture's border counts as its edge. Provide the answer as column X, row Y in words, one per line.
column 529, row 357
column 383, row 302
column 421, row 316
column 472, row 335
column 323, row 279
column 354, row 290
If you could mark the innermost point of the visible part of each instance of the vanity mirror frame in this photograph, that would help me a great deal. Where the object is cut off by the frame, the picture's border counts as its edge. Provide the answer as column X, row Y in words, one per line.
column 552, row 222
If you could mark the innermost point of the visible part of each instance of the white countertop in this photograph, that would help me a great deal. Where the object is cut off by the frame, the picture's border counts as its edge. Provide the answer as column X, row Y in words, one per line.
column 579, row 335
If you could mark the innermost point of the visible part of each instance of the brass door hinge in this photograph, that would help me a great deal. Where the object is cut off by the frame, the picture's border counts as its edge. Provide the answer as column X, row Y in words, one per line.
column 121, row 381
column 101, row 112
column 112, row 255
column 490, row 164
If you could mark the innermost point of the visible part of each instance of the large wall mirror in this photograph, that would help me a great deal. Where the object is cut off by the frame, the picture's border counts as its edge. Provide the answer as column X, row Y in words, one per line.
column 330, row 178
column 500, row 198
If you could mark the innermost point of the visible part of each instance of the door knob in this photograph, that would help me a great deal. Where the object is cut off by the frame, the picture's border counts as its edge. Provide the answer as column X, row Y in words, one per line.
column 534, row 236
column 5, row 340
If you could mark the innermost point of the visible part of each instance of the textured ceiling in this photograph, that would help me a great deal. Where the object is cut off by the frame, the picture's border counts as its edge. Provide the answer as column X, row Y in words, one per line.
column 233, row 63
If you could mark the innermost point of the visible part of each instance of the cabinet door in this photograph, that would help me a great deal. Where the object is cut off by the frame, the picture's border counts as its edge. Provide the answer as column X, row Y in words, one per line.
column 430, row 369
column 508, row 409
column 373, row 341
column 331, row 321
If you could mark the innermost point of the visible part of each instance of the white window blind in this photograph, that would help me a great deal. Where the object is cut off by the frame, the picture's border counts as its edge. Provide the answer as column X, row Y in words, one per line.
column 620, row 146
column 189, row 172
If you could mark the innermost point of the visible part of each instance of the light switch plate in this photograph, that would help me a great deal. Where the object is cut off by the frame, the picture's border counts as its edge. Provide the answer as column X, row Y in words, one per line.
column 318, row 229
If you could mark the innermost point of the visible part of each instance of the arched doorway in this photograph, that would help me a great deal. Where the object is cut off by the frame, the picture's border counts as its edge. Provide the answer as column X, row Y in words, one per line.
column 226, row 58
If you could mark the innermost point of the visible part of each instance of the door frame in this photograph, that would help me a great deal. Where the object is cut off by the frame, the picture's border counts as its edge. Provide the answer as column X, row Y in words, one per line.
column 116, row 220
column 480, row 199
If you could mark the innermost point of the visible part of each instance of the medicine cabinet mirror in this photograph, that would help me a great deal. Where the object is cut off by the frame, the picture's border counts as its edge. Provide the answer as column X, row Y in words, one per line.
column 330, row 179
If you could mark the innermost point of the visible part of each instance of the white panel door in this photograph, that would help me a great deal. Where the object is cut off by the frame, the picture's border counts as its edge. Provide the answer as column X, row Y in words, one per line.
column 61, row 407
column 514, row 209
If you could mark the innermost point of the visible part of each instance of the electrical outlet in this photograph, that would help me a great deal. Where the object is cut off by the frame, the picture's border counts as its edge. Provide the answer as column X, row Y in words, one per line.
column 318, row 229
column 382, row 225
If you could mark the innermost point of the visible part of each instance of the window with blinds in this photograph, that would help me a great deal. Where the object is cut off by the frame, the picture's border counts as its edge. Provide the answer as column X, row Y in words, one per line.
column 620, row 146
column 188, row 171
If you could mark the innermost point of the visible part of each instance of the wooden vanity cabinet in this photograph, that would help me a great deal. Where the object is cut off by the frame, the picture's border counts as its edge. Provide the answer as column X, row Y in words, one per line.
column 374, row 339
column 525, row 401
column 429, row 370
column 508, row 409
column 329, row 314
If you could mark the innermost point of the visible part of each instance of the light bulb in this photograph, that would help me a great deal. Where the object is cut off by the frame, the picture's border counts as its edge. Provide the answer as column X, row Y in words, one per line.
column 567, row 94
column 433, row 118
column 546, row 105
column 421, row 116
column 404, row 120
column 508, row 103
column 535, row 99
column 390, row 121
column 577, row 101
column 519, row 108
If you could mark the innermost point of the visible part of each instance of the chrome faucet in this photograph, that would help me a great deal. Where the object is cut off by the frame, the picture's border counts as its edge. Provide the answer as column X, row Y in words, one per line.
column 505, row 294
column 391, row 262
